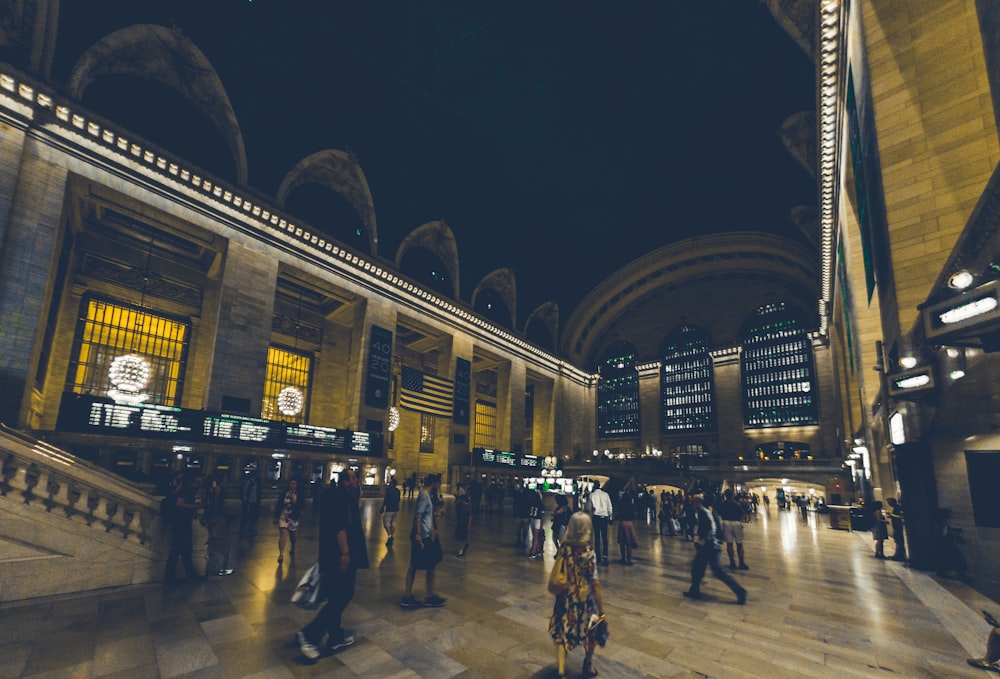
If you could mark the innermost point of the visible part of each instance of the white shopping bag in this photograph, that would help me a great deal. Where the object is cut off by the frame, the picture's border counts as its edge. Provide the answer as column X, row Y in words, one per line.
column 307, row 592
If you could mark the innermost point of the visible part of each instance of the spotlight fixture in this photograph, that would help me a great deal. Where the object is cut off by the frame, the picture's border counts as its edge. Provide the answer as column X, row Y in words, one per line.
column 960, row 280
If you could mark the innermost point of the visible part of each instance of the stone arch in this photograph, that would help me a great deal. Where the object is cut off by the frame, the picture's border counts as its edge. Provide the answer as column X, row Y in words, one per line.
column 341, row 172
column 542, row 326
column 165, row 56
column 437, row 239
column 499, row 286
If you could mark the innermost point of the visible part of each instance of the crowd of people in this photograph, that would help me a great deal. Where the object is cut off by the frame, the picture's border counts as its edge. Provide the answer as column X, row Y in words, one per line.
column 712, row 519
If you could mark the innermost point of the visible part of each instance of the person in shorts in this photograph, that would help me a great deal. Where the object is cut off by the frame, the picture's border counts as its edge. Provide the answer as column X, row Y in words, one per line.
column 425, row 547
column 389, row 509
column 731, row 512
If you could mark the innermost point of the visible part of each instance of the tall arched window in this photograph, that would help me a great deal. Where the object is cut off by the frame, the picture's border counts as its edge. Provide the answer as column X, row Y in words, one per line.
column 618, row 393
column 779, row 382
column 686, row 383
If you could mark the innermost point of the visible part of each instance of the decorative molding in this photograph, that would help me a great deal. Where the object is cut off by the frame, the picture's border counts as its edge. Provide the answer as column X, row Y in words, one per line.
column 140, row 280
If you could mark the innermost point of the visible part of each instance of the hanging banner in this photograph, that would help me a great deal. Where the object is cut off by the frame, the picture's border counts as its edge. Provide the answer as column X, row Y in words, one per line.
column 463, row 381
column 379, row 368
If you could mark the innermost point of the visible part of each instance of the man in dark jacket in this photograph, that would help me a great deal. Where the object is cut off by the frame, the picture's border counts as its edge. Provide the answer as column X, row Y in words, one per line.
column 182, row 511
column 342, row 552
column 707, row 548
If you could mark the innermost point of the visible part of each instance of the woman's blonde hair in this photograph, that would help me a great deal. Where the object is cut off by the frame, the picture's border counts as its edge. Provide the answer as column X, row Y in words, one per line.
column 579, row 531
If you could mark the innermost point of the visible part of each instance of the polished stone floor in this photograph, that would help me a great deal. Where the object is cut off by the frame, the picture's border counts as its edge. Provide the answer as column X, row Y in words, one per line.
column 820, row 605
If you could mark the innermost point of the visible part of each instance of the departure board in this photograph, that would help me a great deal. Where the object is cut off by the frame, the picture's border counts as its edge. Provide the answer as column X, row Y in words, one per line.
column 140, row 419
column 361, row 442
column 92, row 415
column 311, row 436
column 242, row 429
column 501, row 458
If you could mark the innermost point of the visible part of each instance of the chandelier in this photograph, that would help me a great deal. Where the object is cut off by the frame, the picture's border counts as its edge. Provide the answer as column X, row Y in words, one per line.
column 290, row 401
column 393, row 418
column 129, row 373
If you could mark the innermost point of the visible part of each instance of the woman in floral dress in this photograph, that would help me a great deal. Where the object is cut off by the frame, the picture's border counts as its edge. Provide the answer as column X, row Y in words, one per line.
column 580, row 606
column 287, row 511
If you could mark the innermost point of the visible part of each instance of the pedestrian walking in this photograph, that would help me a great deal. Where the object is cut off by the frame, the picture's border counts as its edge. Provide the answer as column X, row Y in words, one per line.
column 425, row 546
column 706, row 553
column 287, row 512
column 389, row 510
column 182, row 511
column 342, row 551
column 578, row 613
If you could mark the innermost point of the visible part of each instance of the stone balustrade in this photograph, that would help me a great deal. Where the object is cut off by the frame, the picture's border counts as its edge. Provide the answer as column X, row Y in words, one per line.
column 49, row 478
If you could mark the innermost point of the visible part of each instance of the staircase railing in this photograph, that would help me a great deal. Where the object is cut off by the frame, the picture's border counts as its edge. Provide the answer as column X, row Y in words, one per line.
column 45, row 476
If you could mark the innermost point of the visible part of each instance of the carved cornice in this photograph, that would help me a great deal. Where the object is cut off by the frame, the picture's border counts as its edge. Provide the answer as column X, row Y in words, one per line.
column 135, row 278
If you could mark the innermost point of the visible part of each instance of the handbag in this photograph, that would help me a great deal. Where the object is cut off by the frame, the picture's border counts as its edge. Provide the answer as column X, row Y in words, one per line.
column 306, row 594
column 559, row 575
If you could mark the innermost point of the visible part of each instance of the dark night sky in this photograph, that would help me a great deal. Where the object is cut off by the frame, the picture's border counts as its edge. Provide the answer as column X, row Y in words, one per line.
column 562, row 140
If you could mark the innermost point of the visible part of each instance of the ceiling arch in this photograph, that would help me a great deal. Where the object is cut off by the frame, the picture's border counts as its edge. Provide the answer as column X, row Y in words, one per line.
column 437, row 238
column 341, row 172
column 504, row 285
column 165, row 56
column 710, row 281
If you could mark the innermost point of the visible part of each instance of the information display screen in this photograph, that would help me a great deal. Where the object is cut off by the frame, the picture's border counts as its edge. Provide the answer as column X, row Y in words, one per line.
column 148, row 420
column 90, row 415
column 494, row 458
column 242, row 429
column 310, row 436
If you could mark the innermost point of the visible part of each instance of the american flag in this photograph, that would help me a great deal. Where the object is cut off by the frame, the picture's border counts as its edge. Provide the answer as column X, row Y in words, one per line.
column 426, row 393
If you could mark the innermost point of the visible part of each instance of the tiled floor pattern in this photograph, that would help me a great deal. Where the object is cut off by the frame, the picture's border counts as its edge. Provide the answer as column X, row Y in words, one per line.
column 820, row 606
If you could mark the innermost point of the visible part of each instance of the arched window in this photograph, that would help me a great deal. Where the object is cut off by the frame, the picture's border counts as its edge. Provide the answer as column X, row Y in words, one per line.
column 110, row 329
column 426, row 268
column 779, row 382
column 618, row 393
column 686, row 384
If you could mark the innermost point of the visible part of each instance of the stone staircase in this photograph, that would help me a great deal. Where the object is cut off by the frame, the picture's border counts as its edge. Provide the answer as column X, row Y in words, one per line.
column 67, row 525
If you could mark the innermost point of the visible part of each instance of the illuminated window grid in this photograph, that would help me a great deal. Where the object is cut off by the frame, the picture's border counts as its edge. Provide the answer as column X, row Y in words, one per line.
column 108, row 329
column 426, row 433
column 686, row 383
column 778, row 378
column 618, row 395
column 285, row 368
column 485, row 435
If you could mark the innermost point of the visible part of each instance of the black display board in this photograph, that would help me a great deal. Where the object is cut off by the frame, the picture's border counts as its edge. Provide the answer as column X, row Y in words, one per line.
column 91, row 415
column 379, row 369
column 486, row 457
column 463, row 390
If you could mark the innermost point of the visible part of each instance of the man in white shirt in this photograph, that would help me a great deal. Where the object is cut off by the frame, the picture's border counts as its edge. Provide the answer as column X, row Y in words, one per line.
column 600, row 510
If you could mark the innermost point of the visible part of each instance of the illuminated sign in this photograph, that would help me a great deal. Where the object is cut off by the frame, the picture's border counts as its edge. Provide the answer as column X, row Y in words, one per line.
column 485, row 457
column 90, row 415
column 310, row 436
column 964, row 314
column 916, row 381
column 241, row 429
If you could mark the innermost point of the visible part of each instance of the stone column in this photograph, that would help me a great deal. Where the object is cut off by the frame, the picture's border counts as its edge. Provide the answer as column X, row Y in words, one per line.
column 31, row 210
column 511, row 378
column 242, row 323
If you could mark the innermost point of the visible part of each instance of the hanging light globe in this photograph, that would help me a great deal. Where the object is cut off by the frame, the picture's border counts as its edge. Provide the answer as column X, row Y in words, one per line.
column 290, row 401
column 393, row 418
column 128, row 375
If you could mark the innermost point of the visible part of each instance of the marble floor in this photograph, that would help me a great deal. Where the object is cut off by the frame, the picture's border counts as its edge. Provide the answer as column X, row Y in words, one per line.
column 820, row 605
